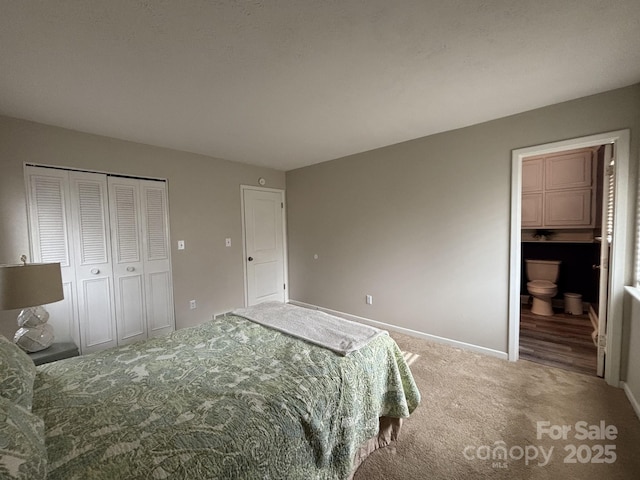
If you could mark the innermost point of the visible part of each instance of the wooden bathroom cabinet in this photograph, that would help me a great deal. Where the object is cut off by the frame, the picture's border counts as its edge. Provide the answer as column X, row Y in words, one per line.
column 558, row 190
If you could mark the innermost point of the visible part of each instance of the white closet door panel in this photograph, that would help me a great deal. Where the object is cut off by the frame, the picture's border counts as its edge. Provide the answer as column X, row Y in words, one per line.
column 63, row 316
column 94, row 270
column 128, row 267
column 157, row 262
column 159, row 303
column 92, row 222
column 48, row 215
column 98, row 329
column 49, row 226
column 125, row 222
column 130, row 310
column 156, row 227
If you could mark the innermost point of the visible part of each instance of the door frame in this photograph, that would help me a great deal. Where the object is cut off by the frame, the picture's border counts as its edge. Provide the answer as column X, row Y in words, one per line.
column 619, row 247
column 285, row 250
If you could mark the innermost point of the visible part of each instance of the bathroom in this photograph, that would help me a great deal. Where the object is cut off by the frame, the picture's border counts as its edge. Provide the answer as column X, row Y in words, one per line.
column 562, row 219
column 576, row 272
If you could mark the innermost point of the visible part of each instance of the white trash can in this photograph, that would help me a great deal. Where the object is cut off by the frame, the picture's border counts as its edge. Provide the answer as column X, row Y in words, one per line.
column 573, row 303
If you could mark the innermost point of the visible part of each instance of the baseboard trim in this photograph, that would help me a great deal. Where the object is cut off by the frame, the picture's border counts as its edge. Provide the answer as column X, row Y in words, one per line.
column 632, row 400
column 406, row 331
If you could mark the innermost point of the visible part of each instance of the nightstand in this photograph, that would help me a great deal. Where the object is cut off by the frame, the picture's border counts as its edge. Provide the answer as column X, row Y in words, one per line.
column 56, row 351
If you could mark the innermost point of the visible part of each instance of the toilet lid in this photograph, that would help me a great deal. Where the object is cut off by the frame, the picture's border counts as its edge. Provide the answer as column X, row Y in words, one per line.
column 541, row 284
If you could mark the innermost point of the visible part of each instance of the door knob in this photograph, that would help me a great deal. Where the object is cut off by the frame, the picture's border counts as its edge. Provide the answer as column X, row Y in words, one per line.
column 250, row 259
column 595, row 267
column 95, row 271
column 130, row 269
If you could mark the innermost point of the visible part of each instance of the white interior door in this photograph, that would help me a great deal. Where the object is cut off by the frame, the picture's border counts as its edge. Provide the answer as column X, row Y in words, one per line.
column 128, row 273
column 94, row 271
column 49, row 225
column 608, row 184
column 157, row 261
column 264, row 245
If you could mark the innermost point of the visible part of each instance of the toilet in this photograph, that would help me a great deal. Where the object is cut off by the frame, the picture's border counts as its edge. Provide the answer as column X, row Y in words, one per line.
column 542, row 275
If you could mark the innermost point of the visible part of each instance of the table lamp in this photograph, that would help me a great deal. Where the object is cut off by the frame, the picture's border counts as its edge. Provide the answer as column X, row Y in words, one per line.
column 29, row 286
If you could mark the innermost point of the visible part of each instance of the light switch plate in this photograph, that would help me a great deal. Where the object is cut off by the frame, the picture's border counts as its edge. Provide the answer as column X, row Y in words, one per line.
column 227, row 242
column 180, row 244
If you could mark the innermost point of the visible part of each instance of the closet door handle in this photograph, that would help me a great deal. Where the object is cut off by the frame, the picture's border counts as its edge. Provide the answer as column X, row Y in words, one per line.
column 250, row 259
column 130, row 269
column 95, row 271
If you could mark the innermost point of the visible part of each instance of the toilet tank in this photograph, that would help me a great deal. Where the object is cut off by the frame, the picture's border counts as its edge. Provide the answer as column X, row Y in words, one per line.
column 543, row 270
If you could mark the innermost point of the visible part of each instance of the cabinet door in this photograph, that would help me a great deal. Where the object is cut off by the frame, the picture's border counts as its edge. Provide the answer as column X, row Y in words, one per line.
column 570, row 170
column 128, row 267
column 532, row 210
column 157, row 262
column 92, row 249
column 568, row 208
column 532, row 175
column 49, row 227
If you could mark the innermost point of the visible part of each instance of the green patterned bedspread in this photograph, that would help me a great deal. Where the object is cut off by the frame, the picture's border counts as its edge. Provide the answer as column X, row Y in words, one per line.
column 227, row 399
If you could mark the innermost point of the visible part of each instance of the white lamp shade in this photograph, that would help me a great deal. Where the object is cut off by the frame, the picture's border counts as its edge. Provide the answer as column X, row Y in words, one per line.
column 30, row 285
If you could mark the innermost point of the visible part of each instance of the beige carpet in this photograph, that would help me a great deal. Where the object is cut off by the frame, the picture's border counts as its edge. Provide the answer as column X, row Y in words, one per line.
column 471, row 403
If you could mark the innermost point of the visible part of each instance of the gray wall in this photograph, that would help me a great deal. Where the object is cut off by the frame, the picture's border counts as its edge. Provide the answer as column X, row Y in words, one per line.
column 204, row 207
column 423, row 226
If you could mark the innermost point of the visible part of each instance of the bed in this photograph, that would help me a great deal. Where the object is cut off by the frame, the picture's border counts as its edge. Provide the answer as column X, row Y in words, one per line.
column 231, row 398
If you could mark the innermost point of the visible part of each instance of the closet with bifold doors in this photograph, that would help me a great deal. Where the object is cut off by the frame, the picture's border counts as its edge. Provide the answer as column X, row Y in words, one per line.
column 110, row 235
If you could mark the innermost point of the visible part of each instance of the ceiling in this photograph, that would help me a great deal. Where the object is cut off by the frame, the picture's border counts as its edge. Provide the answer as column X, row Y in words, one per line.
column 289, row 83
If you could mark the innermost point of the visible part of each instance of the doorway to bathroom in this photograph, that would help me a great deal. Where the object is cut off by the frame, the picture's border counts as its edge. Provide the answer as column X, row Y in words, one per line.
column 565, row 207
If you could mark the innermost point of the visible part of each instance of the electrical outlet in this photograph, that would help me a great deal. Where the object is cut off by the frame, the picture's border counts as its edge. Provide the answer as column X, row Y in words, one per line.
column 369, row 300
column 192, row 304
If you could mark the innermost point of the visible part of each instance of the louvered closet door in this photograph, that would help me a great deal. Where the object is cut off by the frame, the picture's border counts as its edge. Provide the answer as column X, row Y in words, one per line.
column 49, row 224
column 157, row 263
column 94, row 272
column 128, row 266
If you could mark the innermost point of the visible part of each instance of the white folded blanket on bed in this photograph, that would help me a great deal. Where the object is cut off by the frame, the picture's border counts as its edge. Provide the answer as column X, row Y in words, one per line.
column 337, row 334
